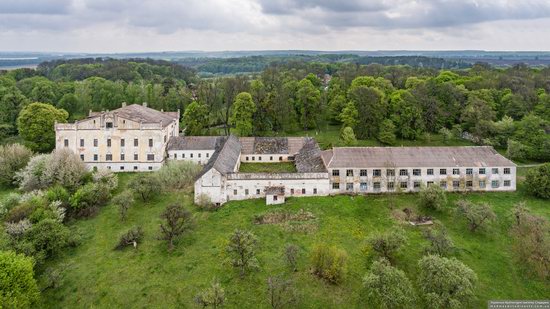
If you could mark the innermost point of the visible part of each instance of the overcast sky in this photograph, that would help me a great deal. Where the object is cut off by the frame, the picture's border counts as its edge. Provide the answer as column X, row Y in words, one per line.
column 171, row 25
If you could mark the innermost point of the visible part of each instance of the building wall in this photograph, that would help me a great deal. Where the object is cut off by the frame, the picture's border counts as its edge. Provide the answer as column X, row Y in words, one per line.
column 270, row 199
column 196, row 156
column 265, row 158
column 122, row 157
column 212, row 185
column 462, row 179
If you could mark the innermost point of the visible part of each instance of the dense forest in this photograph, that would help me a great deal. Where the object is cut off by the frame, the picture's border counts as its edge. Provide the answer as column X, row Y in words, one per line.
column 506, row 108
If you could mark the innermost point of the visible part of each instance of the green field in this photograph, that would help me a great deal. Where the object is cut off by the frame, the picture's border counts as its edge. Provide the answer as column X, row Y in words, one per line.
column 95, row 275
column 283, row 167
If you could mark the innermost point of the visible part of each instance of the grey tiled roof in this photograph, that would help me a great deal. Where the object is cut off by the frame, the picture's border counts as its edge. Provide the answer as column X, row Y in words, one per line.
column 193, row 142
column 368, row 157
column 275, row 190
column 140, row 113
column 308, row 159
column 226, row 156
column 271, row 145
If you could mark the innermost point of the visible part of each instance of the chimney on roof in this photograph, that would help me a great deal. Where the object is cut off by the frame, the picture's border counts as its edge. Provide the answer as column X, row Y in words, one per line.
column 123, row 104
column 144, row 104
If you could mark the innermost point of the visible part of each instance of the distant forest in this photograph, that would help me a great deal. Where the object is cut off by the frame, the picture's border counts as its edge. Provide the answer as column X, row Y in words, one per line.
column 405, row 97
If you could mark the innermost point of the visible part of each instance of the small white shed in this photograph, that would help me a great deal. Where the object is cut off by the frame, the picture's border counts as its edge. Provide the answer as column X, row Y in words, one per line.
column 274, row 195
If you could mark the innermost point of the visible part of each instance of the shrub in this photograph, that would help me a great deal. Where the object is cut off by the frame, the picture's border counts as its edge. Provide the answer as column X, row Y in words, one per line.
column 107, row 178
column 280, row 292
column 30, row 178
column 439, row 241
column 146, row 187
column 291, row 256
column 18, row 288
column 329, row 263
column 445, row 283
column 177, row 220
column 90, row 195
column 433, row 197
column 214, row 296
column 17, row 230
column 47, row 238
column 348, row 137
column 242, row 251
column 388, row 243
column 124, row 201
column 537, row 181
column 58, row 193
column 178, row 175
column 13, row 158
column 11, row 201
column 388, row 287
column 205, row 203
column 20, row 212
column 130, row 238
column 476, row 214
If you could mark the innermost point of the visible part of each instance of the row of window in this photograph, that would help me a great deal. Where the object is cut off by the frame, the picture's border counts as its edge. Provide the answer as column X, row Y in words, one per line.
column 122, row 168
column 109, row 143
column 109, row 157
column 253, row 158
column 418, row 172
column 190, row 155
column 416, row 185
column 258, row 191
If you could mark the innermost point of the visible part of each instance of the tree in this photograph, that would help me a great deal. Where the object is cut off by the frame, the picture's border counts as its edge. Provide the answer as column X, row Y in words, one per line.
column 214, row 296
column 516, row 150
column 447, row 134
column 440, row 242
column 371, row 108
column 131, row 238
column 124, row 201
column 18, row 288
column 445, row 283
column 308, row 100
column 349, row 115
column 476, row 214
column 348, row 137
column 195, row 118
column 329, row 263
column 146, row 187
column 406, row 114
column 291, row 256
column 537, row 181
column 13, row 158
column 280, row 292
column 388, row 243
column 388, row 287
column 387, row 132
column 243, row 112
column 177, row 220
column 45, row 239
column 242, row 251
column 433, row 198
column 36, row 125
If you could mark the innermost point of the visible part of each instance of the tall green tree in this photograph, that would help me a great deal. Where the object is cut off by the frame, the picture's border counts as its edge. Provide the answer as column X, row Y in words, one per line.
column 36, row 125
column 371, row 108
column 388, row 287
column 243, row 112
column 308, row 99
column 387, row 132
column 406, row 115
column 195, row 118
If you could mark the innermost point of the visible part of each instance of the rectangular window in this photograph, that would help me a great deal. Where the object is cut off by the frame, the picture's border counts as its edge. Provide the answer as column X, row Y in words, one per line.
column 469, row 171
column 456, row 171
column 95, row 157
column 122, row 142
column 150, row 157
column 349, row 172
column 245, row 191
column 442, row 171
column 303, row 191
column 507, row 170
column 108, row 142
column 108, row 157
column 122, row 168
column 109, row 125
column 363, row 186
column 376, row 173
column 136, row 157
column 291, row 191
column 199, row 155
column 495, row 170
column 260, row 158
column 481, row 171
column 469, row 184
column 456, row 184
column 81, row 142
column 390, row 172
column 349, row 186
column 403, row 185
column 443, row 185
column 207, row 155
column 280, row 158
column 95, row 142
column 136, row 142
column 108, row 167
column 416, row 184
column 335, row 186
column 417, row 172
column 253, row 159
column 335, row 172
column 66, row 143
column 275, row 197
column 183, row 155
column 391, row 185
column 507, row 183
column 235, row 192
column 150, row 142
column 191, row 155
column 363, row 173
column 314, row 190
column 257, row 191
column 270, row 158
column 135, row 168
column 494, row 184
column 430, row 183
column 175, row 155
column 403, row 172
column 482, row 184
column 82, row 157
column 430, row 171
column 376, row 186
column 121, row 157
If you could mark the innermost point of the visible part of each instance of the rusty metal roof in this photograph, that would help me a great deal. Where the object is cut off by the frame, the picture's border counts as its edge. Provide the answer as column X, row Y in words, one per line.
column 370, row 157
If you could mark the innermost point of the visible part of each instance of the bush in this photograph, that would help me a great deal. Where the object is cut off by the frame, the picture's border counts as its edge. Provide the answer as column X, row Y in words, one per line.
column 214, row 296
column 13, row 158
column 131, row 238
column 91, row 195
column 329, row 263
column 11, row 201
column 242, row 250
column 476, row 214
column 388, row 243
column 445, row 283
column 205, row 203
column 18, row 288
column 433, row 197
column 146, row 187
column 348, row 137
column 30, row 178
column 58, row 193
column 123, row 201
column 20, row 212
column 178, row 175
column 388, row 287
column 439, row 241
column 537, row 181
column 106, row 178
column 47, row 238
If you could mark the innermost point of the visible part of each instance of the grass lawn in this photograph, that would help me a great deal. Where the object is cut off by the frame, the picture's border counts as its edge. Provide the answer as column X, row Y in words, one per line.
column 283, row 167
column 97, row 276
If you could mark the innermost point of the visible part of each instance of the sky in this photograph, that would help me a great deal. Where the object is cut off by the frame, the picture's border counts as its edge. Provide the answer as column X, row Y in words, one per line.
column 216, row 25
